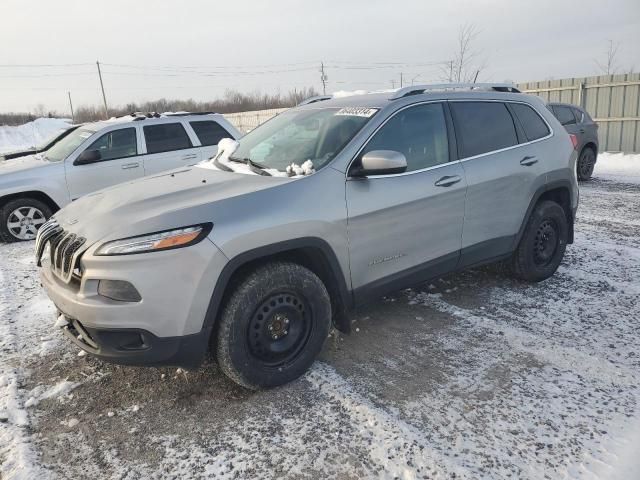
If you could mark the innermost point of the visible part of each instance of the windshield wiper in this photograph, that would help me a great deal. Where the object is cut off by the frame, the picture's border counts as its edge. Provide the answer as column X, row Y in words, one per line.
column 253, row 166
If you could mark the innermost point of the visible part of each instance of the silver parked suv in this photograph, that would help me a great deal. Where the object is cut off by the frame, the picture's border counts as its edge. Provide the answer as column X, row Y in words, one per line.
column 255, row 253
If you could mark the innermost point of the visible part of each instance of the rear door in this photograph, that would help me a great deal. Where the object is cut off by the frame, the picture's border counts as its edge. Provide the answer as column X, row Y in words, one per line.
column 209, row 133
column 406, row 227
column 503, row 171
column 567, row 119
column 587, row 128
column 119, row 162
column 168, row 146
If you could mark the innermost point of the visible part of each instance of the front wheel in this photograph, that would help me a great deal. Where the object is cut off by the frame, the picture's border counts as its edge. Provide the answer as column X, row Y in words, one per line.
column 543, row 243
column 273, row 325
column 21, row 218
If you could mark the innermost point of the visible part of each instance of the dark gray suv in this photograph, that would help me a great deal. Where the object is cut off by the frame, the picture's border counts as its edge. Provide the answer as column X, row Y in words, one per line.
column 577, row 121
column 255, row 253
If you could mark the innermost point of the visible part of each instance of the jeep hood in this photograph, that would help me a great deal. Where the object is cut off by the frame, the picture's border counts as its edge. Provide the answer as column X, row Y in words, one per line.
column 169, row 200
column 21, row 164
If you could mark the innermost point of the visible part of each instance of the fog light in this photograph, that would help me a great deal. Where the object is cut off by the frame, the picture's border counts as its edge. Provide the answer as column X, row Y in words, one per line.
column 119, row 290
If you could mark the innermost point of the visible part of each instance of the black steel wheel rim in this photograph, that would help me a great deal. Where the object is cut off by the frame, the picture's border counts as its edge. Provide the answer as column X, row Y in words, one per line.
column 279, row 329
column 546, row 242
column 586, row 163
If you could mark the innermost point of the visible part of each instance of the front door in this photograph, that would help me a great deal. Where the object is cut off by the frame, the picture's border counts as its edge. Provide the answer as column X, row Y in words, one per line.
column 119, row 162
column 168, row 146
column 407, row 227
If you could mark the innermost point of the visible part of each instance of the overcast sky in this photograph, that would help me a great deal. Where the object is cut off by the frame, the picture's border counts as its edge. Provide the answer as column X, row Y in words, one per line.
column 200, row 48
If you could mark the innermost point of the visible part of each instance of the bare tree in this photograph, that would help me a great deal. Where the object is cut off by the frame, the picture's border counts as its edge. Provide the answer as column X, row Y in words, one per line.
column 464, row 66
column 609, row 67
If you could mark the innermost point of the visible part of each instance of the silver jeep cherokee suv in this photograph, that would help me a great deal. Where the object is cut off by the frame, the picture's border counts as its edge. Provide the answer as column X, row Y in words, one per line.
column 255, row 253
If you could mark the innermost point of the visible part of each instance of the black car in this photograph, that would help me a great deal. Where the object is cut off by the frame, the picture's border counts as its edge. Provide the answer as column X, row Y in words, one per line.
column 50, row 142
column 576, row 120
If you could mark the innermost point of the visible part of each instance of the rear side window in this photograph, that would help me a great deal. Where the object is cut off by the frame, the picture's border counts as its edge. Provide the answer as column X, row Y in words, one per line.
column 483, row 127
column 420, row 133
column 533, row 126
column 564, row 115
column 579, row 115
column 166, row 137
column 116, row 144
column 209, row 132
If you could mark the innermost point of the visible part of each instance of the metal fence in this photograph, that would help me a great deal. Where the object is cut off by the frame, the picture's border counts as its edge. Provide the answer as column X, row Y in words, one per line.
column 612, row 100
column 247, row 121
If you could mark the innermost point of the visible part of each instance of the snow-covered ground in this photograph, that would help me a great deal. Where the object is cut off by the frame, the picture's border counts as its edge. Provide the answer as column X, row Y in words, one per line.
column 475, row 375
column 30, row 134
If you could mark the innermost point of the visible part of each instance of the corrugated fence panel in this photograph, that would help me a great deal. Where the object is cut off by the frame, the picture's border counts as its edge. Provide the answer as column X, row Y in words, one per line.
column 612, row 100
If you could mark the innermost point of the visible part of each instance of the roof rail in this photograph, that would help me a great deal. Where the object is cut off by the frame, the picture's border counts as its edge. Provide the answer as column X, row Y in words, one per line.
column 418, row 89
column 184, row 114
column 317, row 98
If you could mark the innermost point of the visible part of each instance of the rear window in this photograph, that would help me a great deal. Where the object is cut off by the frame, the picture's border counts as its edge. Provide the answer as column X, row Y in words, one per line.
column 209, row 132
column 166, row 137
column 564, row 115
column 532, row 124
column 483, row 127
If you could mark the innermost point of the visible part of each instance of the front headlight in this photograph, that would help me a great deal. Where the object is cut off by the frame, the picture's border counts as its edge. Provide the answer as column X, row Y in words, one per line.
column 153, row 242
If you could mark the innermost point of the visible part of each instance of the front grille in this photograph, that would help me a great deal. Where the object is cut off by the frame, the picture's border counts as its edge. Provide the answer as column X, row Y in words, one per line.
column 65, row 248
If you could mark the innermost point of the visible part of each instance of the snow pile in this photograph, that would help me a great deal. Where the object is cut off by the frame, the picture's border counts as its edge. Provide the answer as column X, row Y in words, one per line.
column 42, row 392
column 618, row 167
column 30, row 134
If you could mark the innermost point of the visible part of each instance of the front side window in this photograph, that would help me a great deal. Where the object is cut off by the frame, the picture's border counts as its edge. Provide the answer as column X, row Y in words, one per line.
column 296, row 136
column 67, row 145
column 209, row 132
column 166, row 137
column 116, row 144
column 564, row 115
column 533, row 126
column 419, row 133
column 483, row 127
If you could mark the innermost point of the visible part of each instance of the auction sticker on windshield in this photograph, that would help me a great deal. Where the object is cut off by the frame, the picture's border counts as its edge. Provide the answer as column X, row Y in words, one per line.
column 357, row 111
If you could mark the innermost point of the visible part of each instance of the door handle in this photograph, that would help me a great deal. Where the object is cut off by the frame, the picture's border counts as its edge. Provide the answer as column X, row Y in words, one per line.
column 127, row 166
column 528, row 161
column 582, row 130
column 448, row 180
column 190, row 156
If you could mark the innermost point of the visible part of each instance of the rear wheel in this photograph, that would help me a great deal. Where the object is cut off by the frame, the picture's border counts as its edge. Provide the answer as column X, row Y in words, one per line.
column 273, row 325
column 543, row 243
column 586, row 164
column 21, row 218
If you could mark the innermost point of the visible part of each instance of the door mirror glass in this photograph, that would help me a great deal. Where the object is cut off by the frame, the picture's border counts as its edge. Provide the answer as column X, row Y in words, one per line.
column 381, row 162
column 88, row 156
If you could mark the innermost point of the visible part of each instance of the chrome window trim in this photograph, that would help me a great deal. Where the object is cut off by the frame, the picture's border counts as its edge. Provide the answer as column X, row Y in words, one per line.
column 464, row 159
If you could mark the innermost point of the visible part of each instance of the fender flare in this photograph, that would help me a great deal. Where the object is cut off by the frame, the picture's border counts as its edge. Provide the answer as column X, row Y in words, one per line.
column 534, row 200
column 339, row 289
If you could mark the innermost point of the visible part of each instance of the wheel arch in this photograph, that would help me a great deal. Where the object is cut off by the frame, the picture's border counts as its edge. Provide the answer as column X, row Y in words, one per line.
column 35, row 194
column 310, row 252
column 559, row 192
column 592, row 145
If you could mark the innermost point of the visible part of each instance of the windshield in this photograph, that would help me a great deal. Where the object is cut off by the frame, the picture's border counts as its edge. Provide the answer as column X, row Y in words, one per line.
column 42, row 145
column 297, row 136
column 68, row 144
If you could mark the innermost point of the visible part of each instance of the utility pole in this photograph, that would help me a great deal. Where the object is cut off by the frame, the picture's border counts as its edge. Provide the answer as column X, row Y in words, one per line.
column 104, row 98
column 400, row 79
column 393, row 84
column 323, row 78
column 73, row 119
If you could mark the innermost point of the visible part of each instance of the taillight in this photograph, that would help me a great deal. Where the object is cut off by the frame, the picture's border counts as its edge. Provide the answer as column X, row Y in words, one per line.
column 574, row 140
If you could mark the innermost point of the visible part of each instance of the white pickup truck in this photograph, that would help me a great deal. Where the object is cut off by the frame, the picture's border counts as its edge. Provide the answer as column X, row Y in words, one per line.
column 98, row 155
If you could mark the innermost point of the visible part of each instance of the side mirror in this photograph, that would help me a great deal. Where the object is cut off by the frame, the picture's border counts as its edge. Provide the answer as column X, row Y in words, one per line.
column 88, row 156
column 380, row 162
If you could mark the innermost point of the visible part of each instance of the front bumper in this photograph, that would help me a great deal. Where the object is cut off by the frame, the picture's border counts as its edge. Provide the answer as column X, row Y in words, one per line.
column 165, row 327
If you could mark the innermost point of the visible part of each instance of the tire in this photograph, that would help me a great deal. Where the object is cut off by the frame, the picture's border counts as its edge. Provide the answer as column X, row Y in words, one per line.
column 586, row 163
column 34, row 211
column 543, row 243
column 273, row 325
